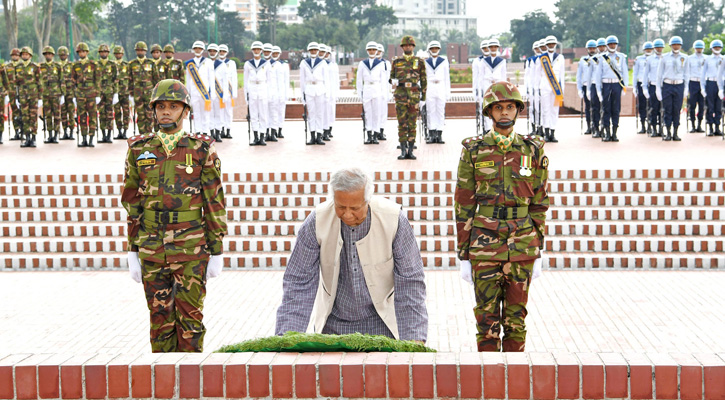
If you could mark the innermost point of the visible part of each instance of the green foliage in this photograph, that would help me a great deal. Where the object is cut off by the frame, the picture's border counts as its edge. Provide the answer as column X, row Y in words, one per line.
column 461, row 75
column 709, row 38
column 699, row 18
column 366, row 15
column 331, row 31
column 307, row 342
column 534, row 26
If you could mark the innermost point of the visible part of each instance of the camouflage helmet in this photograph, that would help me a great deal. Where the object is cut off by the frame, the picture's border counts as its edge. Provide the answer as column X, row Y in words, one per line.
column 169, row 49
column 15, row 52
column 26, row 49
column 141, row 46
column 103, row 47
column 407, row 39
column 48, row 49
column 501, row 91
column 62, row 51
column 118, row 50
column 155, row 47
column 172, row 90
column 82, row 46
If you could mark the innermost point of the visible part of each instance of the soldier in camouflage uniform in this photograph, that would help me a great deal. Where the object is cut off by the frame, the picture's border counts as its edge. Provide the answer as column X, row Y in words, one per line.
column 4, row 98
column 13, row 93
column 500, row 205
column 176, row 220
column 156, row 55
column 51, row 77
column 30, row 91
column 143, row 77
column 407, row 75
column 174, row 67
column 68, row 108
column 87, row 81
column 121, row 109
column 109, row 92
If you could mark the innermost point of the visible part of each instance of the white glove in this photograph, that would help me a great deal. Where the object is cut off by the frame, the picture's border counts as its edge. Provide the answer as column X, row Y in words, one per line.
column 62, row 100
column 466, row 271
column 625, row 93
column 645, row 93
column 721, row 94
column 658, row 92
column 601, row 98
column 7, row 99
column 98, row 100
column 394, row 82
column 130, row 101
column 74, row 102
column 115, row 99
column 422, row 104
column 580, row 93
column 134, row 266
column 40, row 103
column 214, row 267
column 537, row 266
column 17, row 103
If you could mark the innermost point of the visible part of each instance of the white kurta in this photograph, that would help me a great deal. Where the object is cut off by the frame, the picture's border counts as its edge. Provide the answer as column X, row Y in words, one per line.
column 371, row 84
column 313, row 76
column 257, row 74
column 205, row 69
column 437, row 71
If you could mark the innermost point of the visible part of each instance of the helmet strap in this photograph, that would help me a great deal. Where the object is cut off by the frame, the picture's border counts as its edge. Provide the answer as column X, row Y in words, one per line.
column 506, row 125
column 172, row 125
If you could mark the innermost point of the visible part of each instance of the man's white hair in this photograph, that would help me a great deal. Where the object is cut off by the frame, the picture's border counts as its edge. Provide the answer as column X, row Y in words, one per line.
column 351, row 180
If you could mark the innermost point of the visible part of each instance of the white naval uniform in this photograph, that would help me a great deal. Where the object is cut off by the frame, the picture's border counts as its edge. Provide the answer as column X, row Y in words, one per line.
column 230, row 92
column 273, row 95
column 205, row 68
column 549, row 108
column 280, row 71
column 371, row 84
column 531, row 92
column 257, row 74
column 387, row 94
column 438, row 91
column 217, row 116
column 313, row 76
column 333, row 86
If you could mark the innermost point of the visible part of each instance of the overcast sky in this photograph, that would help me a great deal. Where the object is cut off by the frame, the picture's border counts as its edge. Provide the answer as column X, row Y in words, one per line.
column 502, row 12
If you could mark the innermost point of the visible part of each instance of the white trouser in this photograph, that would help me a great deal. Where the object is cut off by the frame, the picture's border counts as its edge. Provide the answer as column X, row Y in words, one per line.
column 228, row 113
column 217, row 120
column 436, row 110
column 201, row 116
column 272, row 110
column 316, row 112
column 374, row 108
column 549, row 110
column 258, row 110
column 331, row 113
column 281, row 111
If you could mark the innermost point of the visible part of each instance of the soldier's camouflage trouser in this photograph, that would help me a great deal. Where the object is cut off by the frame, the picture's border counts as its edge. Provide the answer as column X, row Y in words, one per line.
column 502, row 291
column 87, row 115
column 175, row 296
column 105, row 111
column 29, row 110
column 2, row 113
column 122, row 112
column 407, row 116
column 68, row 113
column 13, row 107
column 145, row 116
column 51, row 112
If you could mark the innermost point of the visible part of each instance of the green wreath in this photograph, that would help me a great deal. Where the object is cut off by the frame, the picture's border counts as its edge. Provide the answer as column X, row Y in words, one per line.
column 315, row 342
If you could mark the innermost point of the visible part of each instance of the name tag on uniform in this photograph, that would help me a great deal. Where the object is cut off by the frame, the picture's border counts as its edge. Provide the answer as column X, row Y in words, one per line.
column 485, row 164
column 143, row 163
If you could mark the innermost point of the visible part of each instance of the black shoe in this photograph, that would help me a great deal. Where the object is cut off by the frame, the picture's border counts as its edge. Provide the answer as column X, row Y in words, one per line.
column 119, row 136
column 84, row 142
column 274, row 134
column 319, row 139
column 26, row 142
column 17, row 135
column 329, row 132
column 710, row 131
column 588, row 131
column 375, row 138
column 90, row 141
column 1, row 137
column 218, row 135
column 552, row 138
column 229, row 133
column 597, row 134
column 255, row 142
column 410, row 155
column 313, row 138
column 717, row 131
column 669, row 135
column 642, row 129
column 699, row 126
column 55, row 138
column 370, row 138
column 403, row 150
column 49, row 139
column 649, row 129
column 381, row 136
column 674, row 135
column 279, row 133
column 430, row 137
column 270, row 136
column 70, row 133
column 261, row 141
column 693, row 129
column 614, row 134
column 439, row 137
column 326, row 135
column 546, row 134
column 607, row 135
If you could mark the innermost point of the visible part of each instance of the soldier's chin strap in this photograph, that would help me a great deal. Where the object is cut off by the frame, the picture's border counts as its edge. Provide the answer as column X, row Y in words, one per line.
column 506, row 125
column 174, row 124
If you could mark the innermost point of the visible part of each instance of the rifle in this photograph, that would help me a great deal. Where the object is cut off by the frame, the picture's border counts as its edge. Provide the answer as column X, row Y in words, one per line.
column 636, row 110
column 304, row 116
column 191, row 122
column 478, row 113
column 45, row 130
column 538, row 109
column 249, row 125
column 424, row 118
column 581, row 116
column 362, row 115
column 78, row 136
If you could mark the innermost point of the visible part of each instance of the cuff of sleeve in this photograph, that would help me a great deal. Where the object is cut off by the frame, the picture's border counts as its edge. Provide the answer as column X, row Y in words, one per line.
column 463, row 255
column 214, row 247
column 133, row 248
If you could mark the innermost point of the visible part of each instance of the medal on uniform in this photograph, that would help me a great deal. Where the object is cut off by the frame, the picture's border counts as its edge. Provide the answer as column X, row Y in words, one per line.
column 525, row 166
column 189, row 169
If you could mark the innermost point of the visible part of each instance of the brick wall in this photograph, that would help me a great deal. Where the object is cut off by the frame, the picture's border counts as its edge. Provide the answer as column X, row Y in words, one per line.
column 358, row 375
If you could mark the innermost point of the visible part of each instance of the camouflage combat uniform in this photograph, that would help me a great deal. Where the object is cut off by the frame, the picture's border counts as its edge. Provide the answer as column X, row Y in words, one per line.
column 67, row 110
column 12, row 93
column 87, row 81
column 173, row 66
column 176, row 220
column 412, row 83
column 29, row 90
column 51, row 77
column 500, row 205
column 121, row 109
column 143, row 76
column 108, row 72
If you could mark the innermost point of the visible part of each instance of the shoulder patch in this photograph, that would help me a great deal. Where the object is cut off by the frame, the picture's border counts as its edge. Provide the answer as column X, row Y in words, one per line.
column 545, row 162
column 468, row 142
column 535, row 140
column 202, row 137
column 133, row 140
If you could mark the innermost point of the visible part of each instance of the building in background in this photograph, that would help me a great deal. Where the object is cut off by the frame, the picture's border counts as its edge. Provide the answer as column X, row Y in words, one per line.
column 443, row 15
column 249, row 12
column 288, row 12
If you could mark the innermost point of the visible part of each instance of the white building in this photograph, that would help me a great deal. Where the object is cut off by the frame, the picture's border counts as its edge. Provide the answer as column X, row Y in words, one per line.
column 443, row 15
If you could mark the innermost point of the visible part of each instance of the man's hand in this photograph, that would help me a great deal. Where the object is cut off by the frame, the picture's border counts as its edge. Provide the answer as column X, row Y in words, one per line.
column 115, row 99
column 75, row 103
column 40, row 103
column 394, row 82
column 130, row 101
column 537, row 266
column 658, row 92
column 645, row 93
column 98, row 100
column 62, row 100
column 601, row 98
column 580, row 92
column 422, row 103
column 134, row 266
column 214, row 268
column 466, row 273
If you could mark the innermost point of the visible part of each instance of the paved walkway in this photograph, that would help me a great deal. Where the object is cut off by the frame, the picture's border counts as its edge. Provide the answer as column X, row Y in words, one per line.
column 573, row 311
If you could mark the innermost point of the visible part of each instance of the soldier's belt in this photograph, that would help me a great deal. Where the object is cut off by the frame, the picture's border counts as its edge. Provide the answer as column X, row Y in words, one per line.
column 674, row 81
column 408, row 84
column 171, row 217
column 503, row 212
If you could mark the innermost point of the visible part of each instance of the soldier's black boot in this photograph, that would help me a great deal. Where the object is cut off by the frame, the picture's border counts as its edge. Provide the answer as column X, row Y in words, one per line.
column 261, row 141
column 84, row 143
column 326, row 135
column 229, row 133
column 1, row 137
column 255, row 142
column 56, row 134
column 403, row 150
column 313, row 137
column 32, row 140
column 274, row 133
column 649, row 129
column 546, row 134
column 65, row 133
column 552, row 138
column 26, row 141
column 674, row 134
column 709, row 130
column 717, row 130
column 70, row 131
column 319, row 139
column 90, row 141
column 370, row 138
column 607, row 135
column 382, row 134
column 329, row 132
column 614, row 134
column 669, row 135
column 439, row 137
column 279, row 133
column 642, row 129
column 596, row 134
column 693, row 129
column 375, row 138
column 589, row 129
column 50, row 138
column 410, row 155
column 218, row 135
column 699, row 126
column 661, row 132
column 270, row 135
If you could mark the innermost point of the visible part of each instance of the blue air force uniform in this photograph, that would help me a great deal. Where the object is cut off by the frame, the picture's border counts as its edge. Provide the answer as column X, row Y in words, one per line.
column 711, row 80
column 650, row 81
column 639, row 77
column 610, row 79
column 583, row 80
column 671, row 90
column 596, row 106
column 694, row 66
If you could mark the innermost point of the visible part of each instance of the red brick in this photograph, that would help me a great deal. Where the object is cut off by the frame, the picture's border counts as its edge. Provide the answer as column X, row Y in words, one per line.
column 96, row 379
column 446, row 375
column 306, row 375
column 666, row 371
column 7, row 387
column 118, row 376
column 640, row 376
column 282, row 378
column 690, row 376
column 543, row 372
column 518, row 376
column 190, row 375
column 141, row 381
column 352, row 375
column 26, row 378
column 329, row 370
column 617, row 381
column 212, row 369
column 422, row 368
column 592, row 373
column 49, row 376
column 494, row 375
column 714, row 375
column 568, row 375
column 375, row 380
column 471, row 375
column 71, row 377
column 236, row 375
column 258, row 370
column 399, row 375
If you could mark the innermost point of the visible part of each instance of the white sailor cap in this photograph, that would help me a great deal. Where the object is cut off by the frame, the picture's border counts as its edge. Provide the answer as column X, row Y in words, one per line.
column 198, row 45
column 276, row 49
column 371, row 45
column 313, row 46
column 212, row 46
column 323, row 47
column 484, row 44
column 494, row 42
column 224, row 47
column 257, row 45
column 551, row 39
column 381, row 47
column 434, row 43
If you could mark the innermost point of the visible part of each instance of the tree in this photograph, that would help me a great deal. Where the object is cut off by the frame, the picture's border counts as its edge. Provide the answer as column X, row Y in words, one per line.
column 321, row 28
column 269, row 13
column 534, row 26
column 696, row 19
column 365, row 14
column 10, row 8
column 42, row 19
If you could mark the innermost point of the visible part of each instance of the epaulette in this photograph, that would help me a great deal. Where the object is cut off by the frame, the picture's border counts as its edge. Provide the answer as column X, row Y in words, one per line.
column 469, row 142
column 535, row 140
column 138, row 139
column 202, row 137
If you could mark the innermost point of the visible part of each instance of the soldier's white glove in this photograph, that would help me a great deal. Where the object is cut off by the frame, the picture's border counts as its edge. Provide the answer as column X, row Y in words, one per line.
column 40, row 103
column 466, row 271
column 130, row 101
column 75, row 103
column 394, row 82
column 624, row 93
column 98, row 100
column 645, row 93
column 115, row 99
column 214, row 268
column 721, row 94
column 634, row 90
column 7, row 99
column 17, row 103
column 134, row 266
column 687, row 92
column 537, row 266
column 580, row 93
column 601, row 98
column 62, row 100
column 422, row 104
column 658, row 92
